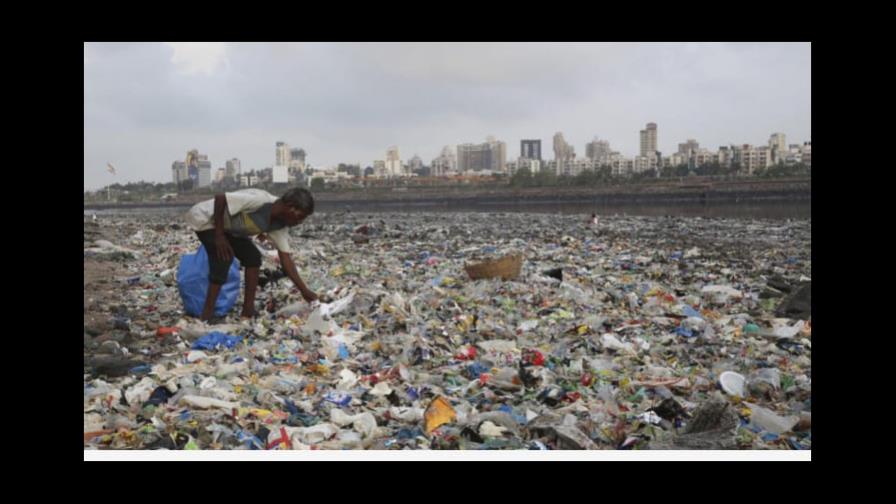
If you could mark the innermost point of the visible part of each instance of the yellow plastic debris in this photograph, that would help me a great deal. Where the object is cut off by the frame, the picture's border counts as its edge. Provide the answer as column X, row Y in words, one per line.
column 438, row 413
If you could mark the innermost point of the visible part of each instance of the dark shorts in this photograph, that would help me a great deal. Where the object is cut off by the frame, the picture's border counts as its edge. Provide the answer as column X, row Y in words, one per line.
column 243, row 248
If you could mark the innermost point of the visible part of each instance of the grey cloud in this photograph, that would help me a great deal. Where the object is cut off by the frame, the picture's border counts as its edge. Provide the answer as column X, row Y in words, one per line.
column 348, row 102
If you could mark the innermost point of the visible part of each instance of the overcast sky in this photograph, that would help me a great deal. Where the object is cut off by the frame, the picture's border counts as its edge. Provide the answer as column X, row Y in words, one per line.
column 147, row 104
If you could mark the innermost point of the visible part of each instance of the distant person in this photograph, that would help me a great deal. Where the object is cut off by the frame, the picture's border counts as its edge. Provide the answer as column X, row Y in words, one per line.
column 594, row 219
column 225, row 224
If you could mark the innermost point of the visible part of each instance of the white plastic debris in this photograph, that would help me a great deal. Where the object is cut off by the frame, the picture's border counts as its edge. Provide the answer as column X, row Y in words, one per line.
column 732, row 383
column 207, row 402
column 612, row 342
column 501, row 346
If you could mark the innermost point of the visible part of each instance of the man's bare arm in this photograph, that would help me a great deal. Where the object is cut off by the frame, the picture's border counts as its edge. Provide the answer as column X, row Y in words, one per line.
column 290, row 268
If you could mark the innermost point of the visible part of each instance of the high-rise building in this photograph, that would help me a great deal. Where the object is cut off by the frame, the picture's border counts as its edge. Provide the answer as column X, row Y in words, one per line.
column 499, row 155
column 490, row 156
column 281, row 154
column 178, row 172
column 598, row 150
column 445, row 163
column 379, row 168
column 530, row 149
column 473, row 157
column 205, row 174
column 563, row 153
column 648, row 139
column 688, row 148
column 415, row 164
column 296, row 160
column 777, row 143
column 393, row 162
column 232, row 168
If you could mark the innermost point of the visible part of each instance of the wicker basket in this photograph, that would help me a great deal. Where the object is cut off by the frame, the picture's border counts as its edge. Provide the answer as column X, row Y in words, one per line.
column 507, row 267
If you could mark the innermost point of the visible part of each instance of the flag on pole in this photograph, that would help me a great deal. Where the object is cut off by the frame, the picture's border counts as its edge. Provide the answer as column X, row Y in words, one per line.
column 110, row 168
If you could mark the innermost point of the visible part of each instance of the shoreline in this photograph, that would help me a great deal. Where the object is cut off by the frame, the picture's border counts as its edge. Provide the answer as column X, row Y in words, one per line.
column 646, row 194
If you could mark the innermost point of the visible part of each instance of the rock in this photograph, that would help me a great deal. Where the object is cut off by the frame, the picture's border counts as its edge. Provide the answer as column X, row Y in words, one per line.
column 712, row 427
column 572, row 438
column 96, row 329
column 779, row 283
column 111, row 366
column 669, row 409
column 797, row 305
column 109, row 348
column 769, row 293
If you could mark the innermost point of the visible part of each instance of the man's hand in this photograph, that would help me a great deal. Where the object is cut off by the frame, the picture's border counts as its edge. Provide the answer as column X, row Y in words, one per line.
column 309, row 296
column 225, row 251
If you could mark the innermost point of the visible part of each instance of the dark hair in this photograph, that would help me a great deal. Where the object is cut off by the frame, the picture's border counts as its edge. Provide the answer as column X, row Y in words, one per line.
column 299, row 198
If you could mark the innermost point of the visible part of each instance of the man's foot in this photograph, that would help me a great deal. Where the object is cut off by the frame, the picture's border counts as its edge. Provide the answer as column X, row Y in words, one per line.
column 213, row 320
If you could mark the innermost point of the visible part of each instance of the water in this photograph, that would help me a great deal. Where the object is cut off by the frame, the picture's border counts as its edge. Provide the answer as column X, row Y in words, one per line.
column 749, row 210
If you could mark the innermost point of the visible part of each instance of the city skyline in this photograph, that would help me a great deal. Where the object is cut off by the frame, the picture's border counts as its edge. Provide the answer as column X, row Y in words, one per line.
column 209, row 96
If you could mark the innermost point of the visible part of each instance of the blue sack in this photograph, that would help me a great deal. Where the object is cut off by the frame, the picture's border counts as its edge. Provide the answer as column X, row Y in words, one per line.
column 192, row 282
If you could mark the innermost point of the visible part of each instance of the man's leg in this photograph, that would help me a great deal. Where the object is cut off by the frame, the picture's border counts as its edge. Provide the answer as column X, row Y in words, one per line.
column 250, row 258
column 217, row 274
column 210, row 299
column 249, row 293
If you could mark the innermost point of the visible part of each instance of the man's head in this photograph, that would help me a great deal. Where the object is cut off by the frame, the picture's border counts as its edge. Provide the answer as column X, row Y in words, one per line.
column 295, row 205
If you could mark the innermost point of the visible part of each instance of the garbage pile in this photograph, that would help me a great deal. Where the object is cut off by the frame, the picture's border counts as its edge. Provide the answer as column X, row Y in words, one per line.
column 642, row 333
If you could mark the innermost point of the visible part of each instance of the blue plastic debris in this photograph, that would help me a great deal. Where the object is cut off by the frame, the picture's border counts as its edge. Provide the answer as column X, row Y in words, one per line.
column 215, row 339
column 690, row 312
column 338, row 398
column 520, row 419
column 284, row 359
column 122, row 323
column 687, row 333
column 474, row 370
column 343, row 351
column 141, row 369
column 251, row 441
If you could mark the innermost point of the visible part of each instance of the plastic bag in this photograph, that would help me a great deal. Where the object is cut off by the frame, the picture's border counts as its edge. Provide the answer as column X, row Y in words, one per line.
column 192, row 282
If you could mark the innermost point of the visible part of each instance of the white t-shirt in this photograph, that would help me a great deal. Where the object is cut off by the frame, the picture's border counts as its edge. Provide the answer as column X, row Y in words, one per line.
column 202, row 216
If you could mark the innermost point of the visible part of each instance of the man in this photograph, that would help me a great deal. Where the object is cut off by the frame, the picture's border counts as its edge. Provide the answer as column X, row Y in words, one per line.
column 225, row 224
